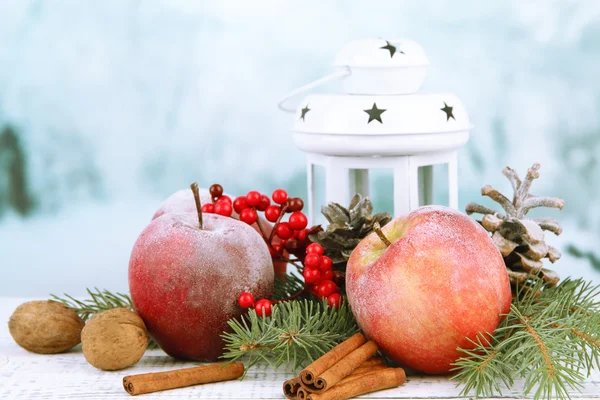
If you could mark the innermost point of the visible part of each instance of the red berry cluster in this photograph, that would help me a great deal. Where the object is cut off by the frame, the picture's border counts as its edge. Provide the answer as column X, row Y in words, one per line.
column 319, row 274
column 248, row 205
column 318, row 277
column 253, row 202
column 220, row 204
column 263, row 306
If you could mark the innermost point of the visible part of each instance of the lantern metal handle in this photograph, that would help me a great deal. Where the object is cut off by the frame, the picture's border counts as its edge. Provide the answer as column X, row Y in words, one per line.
column 341, row 73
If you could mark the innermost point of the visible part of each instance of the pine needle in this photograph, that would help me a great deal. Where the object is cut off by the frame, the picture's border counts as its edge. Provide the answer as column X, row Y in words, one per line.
column 297, row 333
column 101, row 300
column 550, row 338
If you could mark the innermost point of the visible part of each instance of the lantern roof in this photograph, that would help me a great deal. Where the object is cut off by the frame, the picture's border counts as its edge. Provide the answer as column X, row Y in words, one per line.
column 382, row 112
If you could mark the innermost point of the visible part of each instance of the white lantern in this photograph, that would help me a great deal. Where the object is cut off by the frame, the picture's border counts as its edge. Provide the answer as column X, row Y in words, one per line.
column 381, row 122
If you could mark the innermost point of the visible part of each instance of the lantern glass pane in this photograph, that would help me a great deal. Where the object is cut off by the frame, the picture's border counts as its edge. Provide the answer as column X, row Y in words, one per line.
column 381, row 190
column 440, row 185
column 319, row 194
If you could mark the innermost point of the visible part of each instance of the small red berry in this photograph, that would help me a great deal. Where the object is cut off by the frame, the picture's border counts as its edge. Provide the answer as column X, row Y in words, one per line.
column 279, row 196
column 264, row 203
column 216, row 191
column 326, row 263
column 313, row 290
column 272, row 213
column 277, row 247
column 298, row 221
column 312, row 260
column 223, row 208
column 240, row 204
column 301, row 235
column 283, row 230
column 327, row 275
column 263, row 307
column 246, row 300
column 248, row 216
column 208, row 208
column 339, row 278
column 224, row 198
column 325, row 288
column 334, row 300
column 253, row 198
column 295, row 204
column 314, row 248
column 311, row 275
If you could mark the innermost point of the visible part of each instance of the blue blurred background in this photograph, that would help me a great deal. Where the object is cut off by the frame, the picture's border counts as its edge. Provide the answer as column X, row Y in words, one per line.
column 108, row 107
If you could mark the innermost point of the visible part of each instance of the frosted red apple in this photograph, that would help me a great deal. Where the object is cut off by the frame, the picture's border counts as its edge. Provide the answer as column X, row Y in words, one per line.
column 184, row 281
column 442, row 280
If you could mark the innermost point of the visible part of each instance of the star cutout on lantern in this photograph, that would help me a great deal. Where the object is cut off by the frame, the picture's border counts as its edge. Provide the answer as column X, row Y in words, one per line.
column 392, row 49
column 375, row 113
column 448, row 110
column 304, row 111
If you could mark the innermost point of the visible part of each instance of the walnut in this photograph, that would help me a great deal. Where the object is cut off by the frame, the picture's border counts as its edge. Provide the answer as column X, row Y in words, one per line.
column 114, row 339
column 45, row 327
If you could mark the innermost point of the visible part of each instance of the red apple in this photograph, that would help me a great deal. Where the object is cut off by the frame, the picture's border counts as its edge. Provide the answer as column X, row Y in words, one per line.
column 184, row 281
column 440, row 281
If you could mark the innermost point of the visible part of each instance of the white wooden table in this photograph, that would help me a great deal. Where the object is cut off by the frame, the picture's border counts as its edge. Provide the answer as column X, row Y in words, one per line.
column 26, row 375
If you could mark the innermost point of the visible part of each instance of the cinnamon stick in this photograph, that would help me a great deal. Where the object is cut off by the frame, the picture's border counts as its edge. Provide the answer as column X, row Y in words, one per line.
column 373, row 361
column 370, row 364
column 363, row 370
column 326, row 361
column 290, row 387
column 362, row 384
column 343, row 368
column 302, row 393
column 157, row 381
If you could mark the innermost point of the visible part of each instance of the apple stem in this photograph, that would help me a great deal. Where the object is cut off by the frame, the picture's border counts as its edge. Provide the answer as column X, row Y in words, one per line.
column 379, row 232
column 194, row 187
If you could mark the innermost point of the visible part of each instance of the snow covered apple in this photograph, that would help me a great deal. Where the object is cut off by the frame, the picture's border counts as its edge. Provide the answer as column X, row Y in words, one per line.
column 184, row 279
column 438, row 281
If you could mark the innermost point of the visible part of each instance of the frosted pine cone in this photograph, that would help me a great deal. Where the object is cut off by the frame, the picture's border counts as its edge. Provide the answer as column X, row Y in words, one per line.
column 521, row 240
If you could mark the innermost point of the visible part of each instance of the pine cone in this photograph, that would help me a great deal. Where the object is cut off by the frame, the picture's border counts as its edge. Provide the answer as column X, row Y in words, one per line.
column 347, row 227
column 521, row 240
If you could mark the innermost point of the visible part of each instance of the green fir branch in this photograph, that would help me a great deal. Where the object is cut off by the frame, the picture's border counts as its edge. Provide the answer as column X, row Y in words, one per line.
column 550, row 338
column 298, row 332
column 101, row 300
column 483, row 369
column 542, row 355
